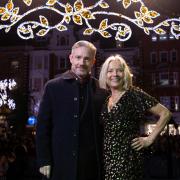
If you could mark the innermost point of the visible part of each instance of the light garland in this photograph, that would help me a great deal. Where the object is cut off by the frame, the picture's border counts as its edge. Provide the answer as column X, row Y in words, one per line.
column 5, row 85
column 170, row 127
column 81, row 15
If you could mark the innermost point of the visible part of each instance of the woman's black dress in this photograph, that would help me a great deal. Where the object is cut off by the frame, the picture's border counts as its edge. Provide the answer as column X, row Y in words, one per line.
column 121, row 125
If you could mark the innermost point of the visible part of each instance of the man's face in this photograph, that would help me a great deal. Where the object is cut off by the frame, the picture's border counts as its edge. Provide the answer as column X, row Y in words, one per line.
column 82, row 61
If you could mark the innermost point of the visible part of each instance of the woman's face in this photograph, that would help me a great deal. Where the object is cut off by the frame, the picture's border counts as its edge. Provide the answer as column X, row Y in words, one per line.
column 115, row 75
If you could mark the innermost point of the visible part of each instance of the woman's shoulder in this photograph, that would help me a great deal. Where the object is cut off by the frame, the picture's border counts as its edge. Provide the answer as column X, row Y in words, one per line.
column 135, row 90
column 140, row 94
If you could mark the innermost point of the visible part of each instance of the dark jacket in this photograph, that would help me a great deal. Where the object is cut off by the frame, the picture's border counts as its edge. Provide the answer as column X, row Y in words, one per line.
column 58, row 125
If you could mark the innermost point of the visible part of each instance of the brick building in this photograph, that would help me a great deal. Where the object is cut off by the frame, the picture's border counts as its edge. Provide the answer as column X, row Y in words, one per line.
column 160, row 70
column 14, row 65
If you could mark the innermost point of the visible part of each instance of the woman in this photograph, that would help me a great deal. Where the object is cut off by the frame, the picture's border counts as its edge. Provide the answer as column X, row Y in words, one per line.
column 122, row 115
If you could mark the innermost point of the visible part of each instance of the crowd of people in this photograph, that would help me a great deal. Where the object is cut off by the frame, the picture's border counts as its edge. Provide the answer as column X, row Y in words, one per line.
column 17, row 157
column 165, row 158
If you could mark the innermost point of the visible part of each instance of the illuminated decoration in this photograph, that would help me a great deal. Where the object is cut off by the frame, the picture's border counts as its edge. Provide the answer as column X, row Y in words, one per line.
column 5, row 86
column 82, row 15
column 32, row 120
column 172, row 130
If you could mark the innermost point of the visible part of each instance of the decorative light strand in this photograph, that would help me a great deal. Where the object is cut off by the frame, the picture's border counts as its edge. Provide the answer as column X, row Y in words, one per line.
column 5, row 85
column 81, row 15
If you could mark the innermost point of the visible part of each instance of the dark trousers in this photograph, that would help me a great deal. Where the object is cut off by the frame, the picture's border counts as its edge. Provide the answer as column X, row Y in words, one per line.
column 87, row 166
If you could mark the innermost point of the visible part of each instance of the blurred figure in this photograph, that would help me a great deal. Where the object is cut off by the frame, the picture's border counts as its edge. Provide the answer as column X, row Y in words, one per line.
column 3, row 166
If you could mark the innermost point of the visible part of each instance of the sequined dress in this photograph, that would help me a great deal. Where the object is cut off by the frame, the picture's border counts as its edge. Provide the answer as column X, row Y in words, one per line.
column 121, row 125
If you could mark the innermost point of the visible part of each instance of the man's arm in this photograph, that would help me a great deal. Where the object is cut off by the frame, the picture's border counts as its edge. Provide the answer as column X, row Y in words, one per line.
column 43, row 133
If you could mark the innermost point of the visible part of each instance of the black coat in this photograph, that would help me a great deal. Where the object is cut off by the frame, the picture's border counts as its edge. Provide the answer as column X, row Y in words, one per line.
column 58, row 125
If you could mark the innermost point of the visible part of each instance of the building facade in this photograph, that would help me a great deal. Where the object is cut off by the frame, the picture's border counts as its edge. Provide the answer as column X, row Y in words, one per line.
column 14, row 64
column 47, row 64
column 160, row 70
column 45, row 58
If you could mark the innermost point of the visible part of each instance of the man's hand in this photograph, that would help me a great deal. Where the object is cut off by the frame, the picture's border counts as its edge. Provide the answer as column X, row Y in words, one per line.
column 45, row 170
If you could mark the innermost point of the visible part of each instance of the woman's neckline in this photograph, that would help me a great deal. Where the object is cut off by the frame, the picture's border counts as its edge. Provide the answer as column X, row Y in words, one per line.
column 113, row 102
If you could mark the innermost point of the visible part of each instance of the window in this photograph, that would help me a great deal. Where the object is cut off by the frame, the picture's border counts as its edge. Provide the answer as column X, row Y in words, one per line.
column 173, row 56
column 163, row 57
column 31, row 64
column 30, row 83
column 67, row 40
column 176, row 103
column 153, row 57
column 37, row 84
column 153, row 78
column 164, row 79
column 68, row 64
column 171, row 37
column 38, row 62
column 165, row 100
column 154, row 38
column 15, row 65
column 63, row 41
column 62, row 63
column 175, row 78
column 46, row 61
column 58, row 41
column 163, row 37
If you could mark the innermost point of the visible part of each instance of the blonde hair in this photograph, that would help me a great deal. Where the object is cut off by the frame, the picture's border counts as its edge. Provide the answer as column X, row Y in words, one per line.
column 87, row 44
column 127, row 80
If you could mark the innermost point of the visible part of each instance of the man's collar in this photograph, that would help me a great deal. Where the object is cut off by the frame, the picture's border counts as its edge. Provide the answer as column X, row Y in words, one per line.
column 71, row 75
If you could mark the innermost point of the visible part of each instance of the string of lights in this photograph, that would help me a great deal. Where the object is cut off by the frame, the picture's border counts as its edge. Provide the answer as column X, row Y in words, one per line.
column 82, row 15
column 5, row 85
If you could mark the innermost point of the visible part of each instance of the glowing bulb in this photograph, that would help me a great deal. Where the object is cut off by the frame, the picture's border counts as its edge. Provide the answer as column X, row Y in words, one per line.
column 81, row 15
column 7, row 84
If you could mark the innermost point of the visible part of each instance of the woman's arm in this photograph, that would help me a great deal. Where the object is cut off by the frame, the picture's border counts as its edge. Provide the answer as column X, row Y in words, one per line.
column 164, row 116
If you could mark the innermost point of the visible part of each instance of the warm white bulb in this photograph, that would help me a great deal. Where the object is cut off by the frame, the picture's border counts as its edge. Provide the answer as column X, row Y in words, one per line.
column 81, row 15
column 6, row 85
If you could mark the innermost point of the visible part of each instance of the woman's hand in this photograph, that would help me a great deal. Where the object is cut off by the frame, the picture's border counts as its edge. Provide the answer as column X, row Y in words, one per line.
column 141, row 142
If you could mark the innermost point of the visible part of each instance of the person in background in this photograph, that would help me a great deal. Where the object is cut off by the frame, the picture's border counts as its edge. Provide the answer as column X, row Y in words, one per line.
column 68, row 130
column 3, row 165
column 122, row 115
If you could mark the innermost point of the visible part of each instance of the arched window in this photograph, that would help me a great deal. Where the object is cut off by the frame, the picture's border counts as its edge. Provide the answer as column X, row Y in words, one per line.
column 63, row 41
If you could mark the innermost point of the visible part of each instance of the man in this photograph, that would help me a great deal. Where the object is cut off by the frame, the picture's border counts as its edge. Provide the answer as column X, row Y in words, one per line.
column 68, row 130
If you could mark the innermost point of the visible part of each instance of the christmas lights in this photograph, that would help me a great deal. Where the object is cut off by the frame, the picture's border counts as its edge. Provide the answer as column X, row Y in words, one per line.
column 170, row 127
column 5, row 85
column 82, row 15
